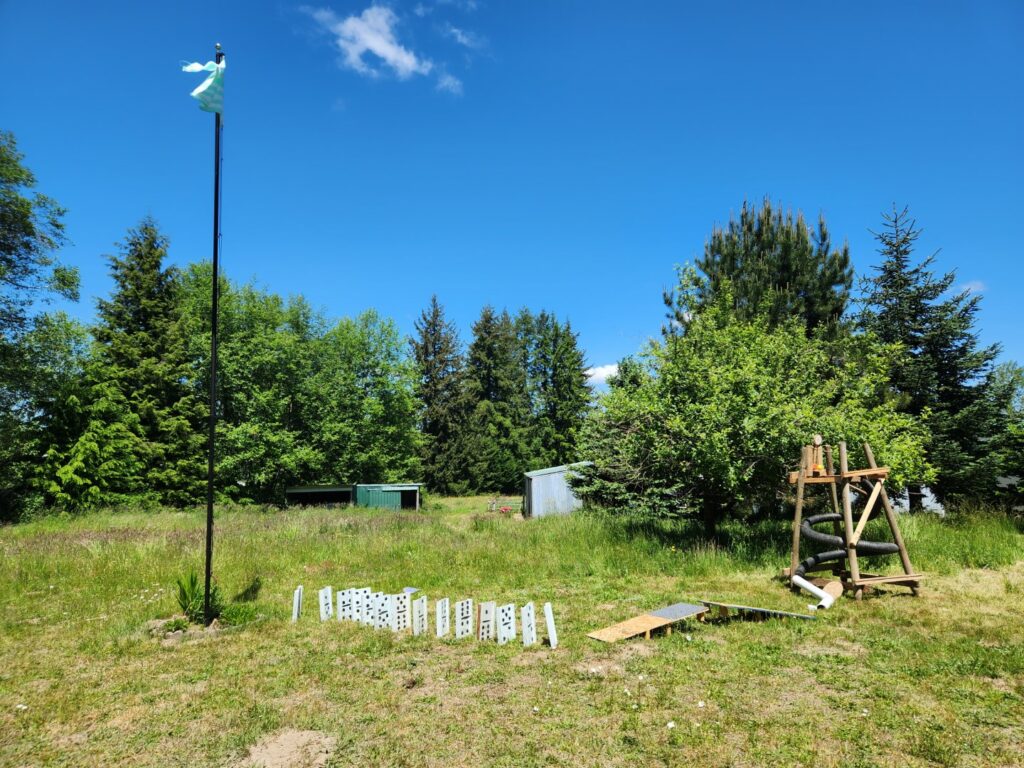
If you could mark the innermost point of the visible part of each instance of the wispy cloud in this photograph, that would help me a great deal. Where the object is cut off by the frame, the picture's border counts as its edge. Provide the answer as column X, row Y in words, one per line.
column 373, row 32
column 972, row 286
column 599, row 374
column 464, row 37
column 449, row 84
column 421, row 10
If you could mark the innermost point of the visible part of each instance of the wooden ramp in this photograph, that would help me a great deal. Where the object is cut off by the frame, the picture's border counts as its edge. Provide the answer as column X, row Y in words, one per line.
column 645, row 624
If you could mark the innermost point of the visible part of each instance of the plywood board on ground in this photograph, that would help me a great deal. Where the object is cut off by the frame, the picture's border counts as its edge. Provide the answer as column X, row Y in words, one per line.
column 643, row 625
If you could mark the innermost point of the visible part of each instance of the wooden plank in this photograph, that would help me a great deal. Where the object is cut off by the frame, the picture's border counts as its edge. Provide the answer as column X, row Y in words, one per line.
column 638, row 625
column 895, row 579
column 868, row 474
column 868, row 506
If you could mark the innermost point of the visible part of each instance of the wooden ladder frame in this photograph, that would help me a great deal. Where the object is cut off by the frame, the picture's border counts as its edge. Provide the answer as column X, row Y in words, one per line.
column 816, row 468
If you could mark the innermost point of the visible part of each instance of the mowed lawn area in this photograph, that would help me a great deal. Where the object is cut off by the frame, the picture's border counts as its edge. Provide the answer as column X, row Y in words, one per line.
column 892, row 681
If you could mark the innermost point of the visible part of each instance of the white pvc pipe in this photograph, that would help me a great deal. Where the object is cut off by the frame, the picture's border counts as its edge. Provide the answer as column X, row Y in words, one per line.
column 825, row 597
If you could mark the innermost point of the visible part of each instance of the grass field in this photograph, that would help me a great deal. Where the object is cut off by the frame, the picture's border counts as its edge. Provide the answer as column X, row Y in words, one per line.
column 892, row 681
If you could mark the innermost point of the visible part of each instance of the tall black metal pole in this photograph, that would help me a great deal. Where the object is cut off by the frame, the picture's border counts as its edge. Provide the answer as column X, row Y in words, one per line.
column 214, row 303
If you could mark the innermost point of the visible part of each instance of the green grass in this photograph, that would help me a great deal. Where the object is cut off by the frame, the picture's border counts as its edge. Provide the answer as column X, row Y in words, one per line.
column 894, row 680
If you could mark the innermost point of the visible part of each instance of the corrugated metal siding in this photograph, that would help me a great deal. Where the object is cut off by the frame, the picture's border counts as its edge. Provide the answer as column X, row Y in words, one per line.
column 375, row 496
column 550, row 495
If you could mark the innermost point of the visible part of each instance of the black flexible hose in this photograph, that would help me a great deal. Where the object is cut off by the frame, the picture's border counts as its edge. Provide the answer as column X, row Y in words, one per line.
column 866, row 548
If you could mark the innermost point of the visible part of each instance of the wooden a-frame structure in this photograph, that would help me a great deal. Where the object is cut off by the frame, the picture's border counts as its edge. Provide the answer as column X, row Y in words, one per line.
column 816, row 468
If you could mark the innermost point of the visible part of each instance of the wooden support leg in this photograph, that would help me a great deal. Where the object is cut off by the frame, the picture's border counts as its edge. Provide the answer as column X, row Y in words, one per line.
column 836, row 531
column 851, row 548
column 890, row 515
column 794, row 558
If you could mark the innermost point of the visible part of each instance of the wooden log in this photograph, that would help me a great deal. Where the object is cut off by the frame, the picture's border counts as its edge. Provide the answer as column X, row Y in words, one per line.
column 794, row 557
column 832, row 488
column 851, row 548
column 890, row 515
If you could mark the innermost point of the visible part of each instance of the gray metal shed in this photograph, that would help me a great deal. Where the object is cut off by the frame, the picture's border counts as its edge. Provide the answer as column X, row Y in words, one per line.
column 547, row 491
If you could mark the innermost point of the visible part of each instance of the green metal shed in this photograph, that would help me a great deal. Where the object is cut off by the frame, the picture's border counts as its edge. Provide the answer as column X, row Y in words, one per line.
column 388, row 495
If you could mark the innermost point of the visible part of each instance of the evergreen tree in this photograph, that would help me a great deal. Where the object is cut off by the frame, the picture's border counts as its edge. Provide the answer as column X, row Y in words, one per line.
column 775, row 267
column 439, row 388
column 499, row 405
column 560, row 392
column 944, row 374
column 142, row 354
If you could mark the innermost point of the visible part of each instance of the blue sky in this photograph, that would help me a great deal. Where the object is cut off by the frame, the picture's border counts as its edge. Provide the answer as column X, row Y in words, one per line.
column 558, row 155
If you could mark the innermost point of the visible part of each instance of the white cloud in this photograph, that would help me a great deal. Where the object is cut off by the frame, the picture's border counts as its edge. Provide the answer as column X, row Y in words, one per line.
column 449, row 84
column 972, row 286
column 421, row 10
column 599, row 374
column 463, row 37
column 372, row 31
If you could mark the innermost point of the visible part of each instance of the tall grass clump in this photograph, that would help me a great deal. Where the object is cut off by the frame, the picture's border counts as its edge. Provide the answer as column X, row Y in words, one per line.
column 972, row 537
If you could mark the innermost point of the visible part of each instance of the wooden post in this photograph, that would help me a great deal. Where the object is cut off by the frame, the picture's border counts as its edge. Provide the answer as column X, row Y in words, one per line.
column 851, row 549
column 830, row 466
column 794, row 558
column 890, row 515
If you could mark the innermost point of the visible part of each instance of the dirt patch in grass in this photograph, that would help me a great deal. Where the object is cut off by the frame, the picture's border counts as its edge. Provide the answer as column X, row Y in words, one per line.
column 290, row 749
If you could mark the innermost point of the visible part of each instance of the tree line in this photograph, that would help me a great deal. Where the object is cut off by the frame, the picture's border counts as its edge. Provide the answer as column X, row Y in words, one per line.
column 116, row 412
column 765, row 343
column 763, row 347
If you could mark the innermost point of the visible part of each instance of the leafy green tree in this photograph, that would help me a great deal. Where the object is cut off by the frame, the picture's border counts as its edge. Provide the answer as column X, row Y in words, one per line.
column 360, row 403
column 942, row 373
column 498, row 427
column 31, row 231
column 440, row 390
column 265, row 357
column 709, row 426
column 774, row 266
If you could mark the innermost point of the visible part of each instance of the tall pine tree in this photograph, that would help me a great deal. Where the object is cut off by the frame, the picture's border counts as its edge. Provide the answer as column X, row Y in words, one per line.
column 439, row 389
column 775, row 267
column 945, row 373
column 143, row 361
column 559, row 390
column 499, row 405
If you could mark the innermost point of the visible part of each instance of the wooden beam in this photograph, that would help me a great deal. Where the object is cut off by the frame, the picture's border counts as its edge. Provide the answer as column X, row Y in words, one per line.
column 794, row 557
column 867, row 474
column 890, row 515
column 851, row 548
column 867, row 512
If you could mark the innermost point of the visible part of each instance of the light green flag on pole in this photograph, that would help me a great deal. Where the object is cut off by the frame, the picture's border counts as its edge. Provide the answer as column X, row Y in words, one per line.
column 210, row 93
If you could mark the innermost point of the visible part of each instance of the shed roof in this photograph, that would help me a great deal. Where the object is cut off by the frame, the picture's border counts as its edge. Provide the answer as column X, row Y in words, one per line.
column 317, row 488
column 391, row 486
column 556, row 470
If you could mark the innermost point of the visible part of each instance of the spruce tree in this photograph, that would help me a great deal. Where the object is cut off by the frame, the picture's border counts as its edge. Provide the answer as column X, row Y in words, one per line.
column 439, row 388
column 775, row 267
column 141, row 347
column 560, row 391
column 499, row 405
column 944, row 373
